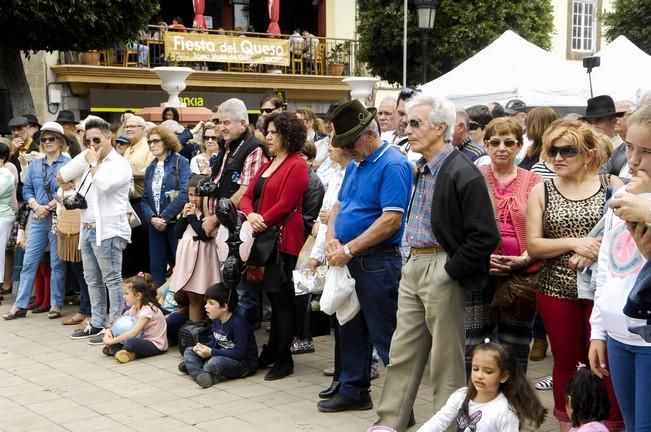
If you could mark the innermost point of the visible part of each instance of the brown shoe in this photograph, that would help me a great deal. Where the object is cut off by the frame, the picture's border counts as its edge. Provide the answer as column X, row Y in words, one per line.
column 538, row 350
column 19, row 313
column 124, row 356
column 77, row 318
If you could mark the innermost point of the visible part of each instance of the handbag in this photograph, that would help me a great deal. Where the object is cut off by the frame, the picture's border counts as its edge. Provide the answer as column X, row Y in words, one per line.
column 68, row 226
column 265, row 244
column 515, row 295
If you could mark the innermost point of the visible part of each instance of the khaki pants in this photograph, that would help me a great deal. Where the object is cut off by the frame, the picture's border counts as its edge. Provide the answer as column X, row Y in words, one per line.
column 430, row 325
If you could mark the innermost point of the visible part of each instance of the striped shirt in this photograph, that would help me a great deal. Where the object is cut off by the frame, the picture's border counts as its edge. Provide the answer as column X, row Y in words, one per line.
column 471, row 150
column 418, row 233
column 543, row 171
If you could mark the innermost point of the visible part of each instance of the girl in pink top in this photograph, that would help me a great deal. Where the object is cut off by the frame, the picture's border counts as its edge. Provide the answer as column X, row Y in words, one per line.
column 587, row 401
column 148, row 334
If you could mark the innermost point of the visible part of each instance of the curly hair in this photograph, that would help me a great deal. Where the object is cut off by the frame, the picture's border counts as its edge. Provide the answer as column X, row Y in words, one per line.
column 290, row 128
column 578, row 134
column 175, row 113
column 588, row 398
column 170, row 141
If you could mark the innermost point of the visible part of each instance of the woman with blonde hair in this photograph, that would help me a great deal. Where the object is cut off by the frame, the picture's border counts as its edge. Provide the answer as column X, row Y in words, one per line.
column 560, row 215
column 315, row 129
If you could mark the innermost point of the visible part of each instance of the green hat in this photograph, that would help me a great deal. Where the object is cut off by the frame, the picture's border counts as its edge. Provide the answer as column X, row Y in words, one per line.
column 349, row 120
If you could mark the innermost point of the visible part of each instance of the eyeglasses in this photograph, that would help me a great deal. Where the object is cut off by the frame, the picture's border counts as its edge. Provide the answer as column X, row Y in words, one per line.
column 507, row 142
column 415, row 123
column 209, row 138
column 566, row 152
column 154, row 141
column 267, row 110
column 474, row 125
column 94, row 140
column 215, row 121
column 407, row 93
column 47, row 139
column 133, row 126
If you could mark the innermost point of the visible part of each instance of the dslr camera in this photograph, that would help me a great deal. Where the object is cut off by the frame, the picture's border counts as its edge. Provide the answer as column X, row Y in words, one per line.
column 208, row 189
column 77, row 201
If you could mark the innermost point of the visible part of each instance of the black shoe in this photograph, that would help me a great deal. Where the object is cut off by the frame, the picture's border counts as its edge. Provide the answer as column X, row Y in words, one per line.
column 280, row 370
column 266, row 358
column 330, row 391
column 343, row 403
column 182, row 368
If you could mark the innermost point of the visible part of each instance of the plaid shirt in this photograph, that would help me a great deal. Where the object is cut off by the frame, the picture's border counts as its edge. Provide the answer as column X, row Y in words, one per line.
column 419, row 232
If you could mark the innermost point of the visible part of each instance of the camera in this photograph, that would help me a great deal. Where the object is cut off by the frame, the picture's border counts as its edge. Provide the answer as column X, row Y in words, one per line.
column 591, row 62
column 78, row 201
column 208, row 189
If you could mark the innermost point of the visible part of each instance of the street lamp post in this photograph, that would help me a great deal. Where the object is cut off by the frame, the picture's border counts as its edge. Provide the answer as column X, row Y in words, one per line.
column 426, row 10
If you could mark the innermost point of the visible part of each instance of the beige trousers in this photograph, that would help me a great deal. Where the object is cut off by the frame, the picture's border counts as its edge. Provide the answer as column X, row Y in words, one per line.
column 430, row 326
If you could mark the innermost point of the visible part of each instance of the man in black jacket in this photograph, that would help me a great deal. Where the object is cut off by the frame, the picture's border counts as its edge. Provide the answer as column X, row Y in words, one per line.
column 451, row 231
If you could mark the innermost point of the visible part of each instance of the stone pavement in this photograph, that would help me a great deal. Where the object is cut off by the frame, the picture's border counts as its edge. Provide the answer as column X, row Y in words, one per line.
column 51, row 383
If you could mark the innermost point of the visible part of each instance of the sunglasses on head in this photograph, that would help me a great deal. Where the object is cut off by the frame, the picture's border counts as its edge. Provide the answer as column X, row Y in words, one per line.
column 474, row 125
column 567, row 151
column 47, row 139
column 407, row 93
column 266, row 110
column 497, row 142
column 94, row 140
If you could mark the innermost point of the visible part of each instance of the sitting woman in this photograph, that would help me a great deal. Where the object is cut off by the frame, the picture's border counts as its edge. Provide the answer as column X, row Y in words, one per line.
column 510, row 265
column 274, row 200
column 165, row 194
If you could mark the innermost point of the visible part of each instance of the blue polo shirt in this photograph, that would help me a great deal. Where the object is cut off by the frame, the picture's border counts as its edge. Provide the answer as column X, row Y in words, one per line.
column 381, row 182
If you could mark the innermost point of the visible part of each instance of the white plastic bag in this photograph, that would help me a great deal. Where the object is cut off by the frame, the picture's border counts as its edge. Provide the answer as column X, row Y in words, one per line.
column 337, row 289
column 348, row 309
column 307, row 281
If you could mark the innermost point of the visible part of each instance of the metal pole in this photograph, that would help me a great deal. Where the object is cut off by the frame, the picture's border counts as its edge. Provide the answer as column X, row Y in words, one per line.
column 424, row 35
column 590, row 79
column 404, row 46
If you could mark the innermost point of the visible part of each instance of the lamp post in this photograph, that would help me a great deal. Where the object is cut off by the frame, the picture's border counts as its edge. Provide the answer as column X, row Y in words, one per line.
column 426, row 10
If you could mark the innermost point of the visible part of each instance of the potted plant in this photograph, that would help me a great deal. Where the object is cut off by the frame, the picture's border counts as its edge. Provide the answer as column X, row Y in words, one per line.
column 337, row 58
column 90, row 58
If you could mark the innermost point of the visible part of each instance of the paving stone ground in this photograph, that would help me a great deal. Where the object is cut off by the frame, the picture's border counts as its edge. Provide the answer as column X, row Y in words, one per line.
column 51, row 383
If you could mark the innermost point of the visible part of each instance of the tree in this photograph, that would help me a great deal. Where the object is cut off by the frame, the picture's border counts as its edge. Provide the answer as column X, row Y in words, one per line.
column 631, row 18
column 461, row 29
column 70, row 25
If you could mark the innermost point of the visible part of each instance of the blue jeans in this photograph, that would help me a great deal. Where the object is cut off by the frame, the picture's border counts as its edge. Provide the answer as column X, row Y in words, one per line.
column 377, row 278
column 223, row 367
column 630, row 368
column 103, row 271
column 139, row 346
column 84, row 299
column 162, row 251
column 248, row 300
column 40, row 236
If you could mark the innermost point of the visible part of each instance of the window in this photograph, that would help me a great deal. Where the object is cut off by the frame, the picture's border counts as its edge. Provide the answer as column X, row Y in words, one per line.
column 583, row 25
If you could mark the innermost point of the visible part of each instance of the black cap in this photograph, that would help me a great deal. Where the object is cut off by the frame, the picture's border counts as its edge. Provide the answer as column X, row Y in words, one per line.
column 515, row 106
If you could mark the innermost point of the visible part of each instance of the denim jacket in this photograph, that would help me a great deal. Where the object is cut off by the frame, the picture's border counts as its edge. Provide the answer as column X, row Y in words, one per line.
column 174, row 190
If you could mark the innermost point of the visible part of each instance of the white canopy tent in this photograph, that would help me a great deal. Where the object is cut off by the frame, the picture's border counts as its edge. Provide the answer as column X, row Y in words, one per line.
column 625, row 71
column 509, row 68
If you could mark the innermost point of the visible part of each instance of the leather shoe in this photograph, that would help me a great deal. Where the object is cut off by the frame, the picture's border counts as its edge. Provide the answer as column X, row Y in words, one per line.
column 280, row 370
column 330, row 391
column 20, row 313
column 340, row 403
column 266, row 358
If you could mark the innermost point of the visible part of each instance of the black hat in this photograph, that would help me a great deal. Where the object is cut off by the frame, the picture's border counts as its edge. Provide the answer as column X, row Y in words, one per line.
column 32, row 120
column 66, row 116
column 349, row 120
column 638, row 304
column 515, row 106
column 18, row 121
column 601, row 106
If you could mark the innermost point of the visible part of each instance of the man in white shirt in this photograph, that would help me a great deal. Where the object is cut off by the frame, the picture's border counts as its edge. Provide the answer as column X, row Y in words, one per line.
column 388, row 119
column 103, row 178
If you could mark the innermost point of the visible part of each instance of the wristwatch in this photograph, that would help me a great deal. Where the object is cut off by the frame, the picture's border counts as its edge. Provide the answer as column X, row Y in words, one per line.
column 347, row 251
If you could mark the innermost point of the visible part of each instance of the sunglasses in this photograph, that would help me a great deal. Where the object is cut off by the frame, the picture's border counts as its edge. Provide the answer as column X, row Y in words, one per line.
column 94, row 140
column 266, row 110
column 567, row 151
column 153, row 141
column 507, row 142
column 209, row 138
column 48, row 139
column 216, row 121
column 474, row 125
column 407, row 93
column 415, row 123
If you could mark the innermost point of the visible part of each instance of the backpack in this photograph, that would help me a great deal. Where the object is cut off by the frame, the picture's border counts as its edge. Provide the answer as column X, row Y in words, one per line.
column 193, row 333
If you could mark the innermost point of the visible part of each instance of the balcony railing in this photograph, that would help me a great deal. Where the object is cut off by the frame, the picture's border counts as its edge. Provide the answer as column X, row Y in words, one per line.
column 218, row 50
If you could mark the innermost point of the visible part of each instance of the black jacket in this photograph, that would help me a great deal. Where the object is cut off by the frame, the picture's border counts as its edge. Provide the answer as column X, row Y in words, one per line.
column 463, row 221
column 312, row 200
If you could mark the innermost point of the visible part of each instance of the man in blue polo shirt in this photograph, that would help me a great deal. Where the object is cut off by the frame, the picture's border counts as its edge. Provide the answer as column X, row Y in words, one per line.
column 364, row 233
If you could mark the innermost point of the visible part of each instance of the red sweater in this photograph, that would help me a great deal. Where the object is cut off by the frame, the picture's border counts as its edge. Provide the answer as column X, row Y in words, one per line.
column 281, row 194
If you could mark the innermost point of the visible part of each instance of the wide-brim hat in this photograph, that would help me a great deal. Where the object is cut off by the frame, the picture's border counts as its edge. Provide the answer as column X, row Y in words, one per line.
column 601, row 106
column 54, row 127
column 331, row 110
column 66, row 116
column 349, row 120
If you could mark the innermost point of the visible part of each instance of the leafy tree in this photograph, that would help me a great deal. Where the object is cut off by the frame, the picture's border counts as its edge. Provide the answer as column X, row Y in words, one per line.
column 631, row 18
column 461, row 29
column 75, row 25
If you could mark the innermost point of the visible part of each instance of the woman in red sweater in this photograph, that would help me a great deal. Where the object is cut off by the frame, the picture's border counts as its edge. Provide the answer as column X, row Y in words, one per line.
column 275, row 199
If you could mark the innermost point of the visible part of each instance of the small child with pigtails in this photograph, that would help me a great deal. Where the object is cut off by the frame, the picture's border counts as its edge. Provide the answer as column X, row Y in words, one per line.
column 142, row 330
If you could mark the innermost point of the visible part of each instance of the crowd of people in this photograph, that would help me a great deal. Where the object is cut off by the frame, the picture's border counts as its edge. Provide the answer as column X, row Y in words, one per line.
column 475, row 237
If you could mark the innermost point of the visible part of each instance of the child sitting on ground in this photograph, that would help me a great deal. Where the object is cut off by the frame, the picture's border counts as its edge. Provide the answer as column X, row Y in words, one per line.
column 587, row 401
column 231, row 352
column 148, row 336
